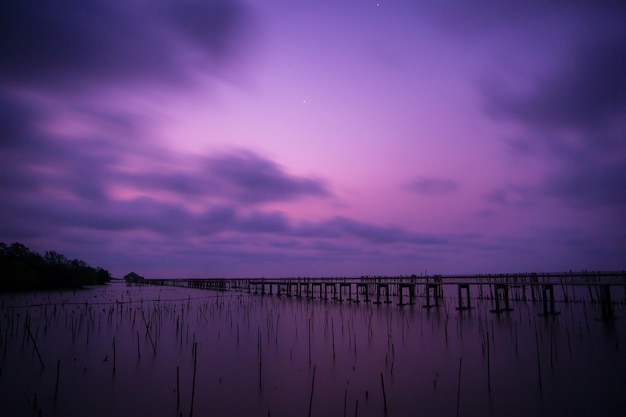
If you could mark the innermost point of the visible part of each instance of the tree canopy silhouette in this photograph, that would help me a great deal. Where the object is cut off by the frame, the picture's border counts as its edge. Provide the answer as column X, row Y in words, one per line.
column 22, row 270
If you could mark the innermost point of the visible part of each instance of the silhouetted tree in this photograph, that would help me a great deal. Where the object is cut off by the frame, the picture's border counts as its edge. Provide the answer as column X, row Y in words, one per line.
column 21, row 269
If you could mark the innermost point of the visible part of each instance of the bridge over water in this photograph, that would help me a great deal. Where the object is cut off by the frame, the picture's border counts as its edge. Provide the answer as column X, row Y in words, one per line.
column 603, row 287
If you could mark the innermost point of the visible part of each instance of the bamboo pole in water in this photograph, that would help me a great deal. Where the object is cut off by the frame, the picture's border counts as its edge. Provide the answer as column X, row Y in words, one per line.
column 458, row 390
column 382, row 382
column 56, row 385
column 312, row 388
column 332, row 322
column 36, row 348
column 488, row 366
column 193, row 382
column 177, row 387
column 114, row 356
column 538, row 360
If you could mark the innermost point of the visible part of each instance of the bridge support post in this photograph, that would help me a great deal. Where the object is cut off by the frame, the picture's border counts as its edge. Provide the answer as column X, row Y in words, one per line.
column 547, row 293
column 504, row 289
column 467, row 305
column 361, row 285
column 377, row 294
column 401, row 288
column 435, row 288
column 606, row 303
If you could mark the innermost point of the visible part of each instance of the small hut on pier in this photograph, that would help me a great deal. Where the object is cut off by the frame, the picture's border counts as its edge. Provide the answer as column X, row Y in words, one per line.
column 133, row 277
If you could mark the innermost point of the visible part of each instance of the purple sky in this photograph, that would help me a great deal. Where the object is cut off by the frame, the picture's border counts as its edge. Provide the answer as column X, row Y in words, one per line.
column 292, row 137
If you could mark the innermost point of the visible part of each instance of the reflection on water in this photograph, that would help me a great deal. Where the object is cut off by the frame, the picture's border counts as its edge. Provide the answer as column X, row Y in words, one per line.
column 118, row 350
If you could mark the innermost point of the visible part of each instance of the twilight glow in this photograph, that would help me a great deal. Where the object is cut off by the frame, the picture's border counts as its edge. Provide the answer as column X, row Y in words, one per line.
column 279, row 138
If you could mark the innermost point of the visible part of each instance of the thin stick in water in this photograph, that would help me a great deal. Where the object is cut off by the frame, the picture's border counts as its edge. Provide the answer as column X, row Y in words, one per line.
column 458, row 390
column 177, row 387
column 193, row 382
column 538, row 360
column 114, row 355
column 332, row 322
column 488, row 366
column 382, row 382
column 56, row 385
column 260, row 367
column 35, row 344
column 312, row 387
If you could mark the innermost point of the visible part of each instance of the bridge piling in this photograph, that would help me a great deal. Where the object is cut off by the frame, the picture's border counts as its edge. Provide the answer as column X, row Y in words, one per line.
column 548, row 300
column 504, row 290
column 467, row 305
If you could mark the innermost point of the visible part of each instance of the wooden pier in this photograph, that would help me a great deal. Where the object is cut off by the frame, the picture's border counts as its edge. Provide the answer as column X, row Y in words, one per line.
column 500, row 288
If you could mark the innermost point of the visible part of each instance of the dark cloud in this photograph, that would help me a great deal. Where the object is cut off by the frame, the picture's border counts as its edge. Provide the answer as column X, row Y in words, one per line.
column 578, row 183
column 521, row 196
column 586, row 93
column 483, row 16
column 214, row 26
column 261, row 222
column 589, row 184
column 250, row 178
column 30, row 217
column 72, row 42
column 573, row 116
column 16, row 119
column 242, row 177
column 88, row 167
column 47, row 165
column 342, row 226
column 432, row 186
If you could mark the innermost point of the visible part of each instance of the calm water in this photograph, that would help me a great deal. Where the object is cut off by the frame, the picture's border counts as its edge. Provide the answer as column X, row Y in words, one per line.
column 257, row 356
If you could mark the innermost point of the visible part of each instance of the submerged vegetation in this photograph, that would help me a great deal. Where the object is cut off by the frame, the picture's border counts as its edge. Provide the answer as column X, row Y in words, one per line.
column 22, row 269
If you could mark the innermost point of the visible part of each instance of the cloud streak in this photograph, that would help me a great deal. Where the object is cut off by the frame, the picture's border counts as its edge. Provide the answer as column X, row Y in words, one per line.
column 73, row 43
column 573, row 117
column 432, row 186
column 585, row 94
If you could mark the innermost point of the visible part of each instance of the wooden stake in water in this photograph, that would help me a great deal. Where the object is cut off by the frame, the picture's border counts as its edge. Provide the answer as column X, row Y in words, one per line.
column 312, row 388
column 56, row 385
column 35, row 344
column 309, row 342
column 488, row 366
column 177, row 387
column 260, row 366
column 332, row 322
column 193, row 382
column 458, row 390
column 114, row 355
column 138, row 352
column 382, row 382
column 538, row 360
